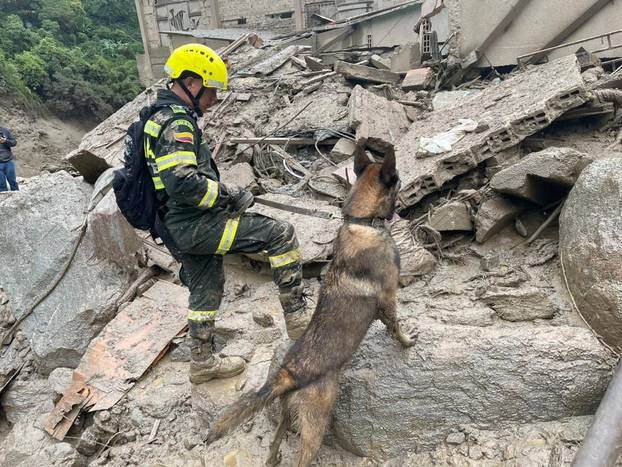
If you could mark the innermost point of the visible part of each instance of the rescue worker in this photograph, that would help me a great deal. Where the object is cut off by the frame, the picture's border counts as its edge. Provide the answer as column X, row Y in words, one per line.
column 206, row 219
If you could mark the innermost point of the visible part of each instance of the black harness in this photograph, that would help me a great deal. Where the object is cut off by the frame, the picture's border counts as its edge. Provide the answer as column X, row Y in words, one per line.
column 375, row 222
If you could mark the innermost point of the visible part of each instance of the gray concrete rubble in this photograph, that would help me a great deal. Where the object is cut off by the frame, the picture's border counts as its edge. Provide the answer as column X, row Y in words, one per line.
column 591, row 248
column 415, row 259
column 379, row 123
column 366, row 73
column 416, row 80
column 406, row 57
column 343, row 150
column 44, row 224
column 507, row 113
column 524, row 304
column 494, row 215
column 543, row 177
column 241, row 175
column 452, row 216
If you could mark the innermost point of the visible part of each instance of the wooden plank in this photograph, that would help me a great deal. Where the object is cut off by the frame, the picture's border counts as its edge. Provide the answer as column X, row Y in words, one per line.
column 571, row 28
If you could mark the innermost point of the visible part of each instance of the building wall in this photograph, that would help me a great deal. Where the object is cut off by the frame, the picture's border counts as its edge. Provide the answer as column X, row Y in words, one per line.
column 269, row 15
column 537, row 24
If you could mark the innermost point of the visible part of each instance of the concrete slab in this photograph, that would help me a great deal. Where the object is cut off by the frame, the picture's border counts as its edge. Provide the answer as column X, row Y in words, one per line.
column 366, row 73
column 419, row 79
column 507, row 113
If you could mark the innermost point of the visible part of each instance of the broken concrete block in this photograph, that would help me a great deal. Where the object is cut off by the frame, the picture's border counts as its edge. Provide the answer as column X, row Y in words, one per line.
column 590, row 246
column 419, row 79
column 43, row 223
column 507, row 113
column 542, row 177
column 343, row 150
column 241, row 175
column 315, row 64
column 89, row 165
column 379, row 123
column 380, row 63
column 502, row 160
column 453, row 216
column 494, row 215
column 464, row 375
column 366, row 73
column 415, row 259
column 26, row 400
column 513, row 304
column 406, row 57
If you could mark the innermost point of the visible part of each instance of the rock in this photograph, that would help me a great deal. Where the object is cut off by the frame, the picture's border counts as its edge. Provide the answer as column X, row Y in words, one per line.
column 520, row 304
column 494, row 215
column 6, row 313
column 241, row 175
column 406, row 57
column 591, row 247
column 27, row 399
column 343, row 150
column 506, row 114
column 503, row 159
column 263, row 318
column 231, row 459
column 393, row 401
column 453, row 216
column 64, row 454
column 366, row 73
column 415, row 260
column 114, row 239
column 379, row 123
column 24, row 445
column 60, row 379
column 41, row 224
column 419, row 79
column 450, row 99
column 455, row 438
column 89, row 165
column 542, row 177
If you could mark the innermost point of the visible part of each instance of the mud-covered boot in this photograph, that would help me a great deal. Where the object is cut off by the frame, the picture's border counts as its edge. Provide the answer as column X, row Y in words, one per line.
column 206, row 366
column 295, row 311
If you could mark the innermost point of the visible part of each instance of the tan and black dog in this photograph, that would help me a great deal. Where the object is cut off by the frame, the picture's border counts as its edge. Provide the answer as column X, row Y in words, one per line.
column 359, row 287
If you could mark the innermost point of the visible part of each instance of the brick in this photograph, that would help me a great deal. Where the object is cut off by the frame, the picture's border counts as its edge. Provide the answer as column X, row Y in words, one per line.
column 379, row 123
column 506, row 113
column 419, row 79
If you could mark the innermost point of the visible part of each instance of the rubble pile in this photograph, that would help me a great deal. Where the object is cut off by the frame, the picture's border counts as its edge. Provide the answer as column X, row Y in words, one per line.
column 517, row 312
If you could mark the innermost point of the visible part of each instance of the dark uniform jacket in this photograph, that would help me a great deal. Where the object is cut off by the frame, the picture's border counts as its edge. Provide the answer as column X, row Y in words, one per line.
column 185, row 176
column 5, row 149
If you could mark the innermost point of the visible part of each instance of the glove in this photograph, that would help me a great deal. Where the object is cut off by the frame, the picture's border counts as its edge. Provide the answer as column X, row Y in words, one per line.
column 240, row 202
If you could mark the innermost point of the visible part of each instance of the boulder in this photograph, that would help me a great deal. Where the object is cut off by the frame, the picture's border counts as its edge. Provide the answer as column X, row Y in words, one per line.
column 542, row 177
column 394, row 400
column 591, row 247
column 27, row 400
column 43, row 223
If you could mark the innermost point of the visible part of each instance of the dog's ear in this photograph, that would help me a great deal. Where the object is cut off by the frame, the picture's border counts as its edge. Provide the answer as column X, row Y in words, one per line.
column 361, row 160
column 388, row 173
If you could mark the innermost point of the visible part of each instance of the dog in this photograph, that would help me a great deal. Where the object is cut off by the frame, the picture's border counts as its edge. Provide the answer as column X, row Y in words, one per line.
column 360, row 286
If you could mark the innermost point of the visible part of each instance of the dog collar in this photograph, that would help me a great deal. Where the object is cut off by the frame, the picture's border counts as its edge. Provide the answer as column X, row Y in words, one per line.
column 375, row 222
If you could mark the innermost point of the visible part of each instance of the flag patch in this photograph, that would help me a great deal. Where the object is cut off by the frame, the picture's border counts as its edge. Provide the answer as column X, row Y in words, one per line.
column 184, row 137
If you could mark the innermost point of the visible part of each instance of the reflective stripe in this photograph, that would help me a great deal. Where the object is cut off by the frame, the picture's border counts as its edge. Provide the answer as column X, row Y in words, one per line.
column 157, row 183
column 290, row 257
column 176, row 158
column 211, row 195
column 202, row 315
column 152, row 128
column 228, row 236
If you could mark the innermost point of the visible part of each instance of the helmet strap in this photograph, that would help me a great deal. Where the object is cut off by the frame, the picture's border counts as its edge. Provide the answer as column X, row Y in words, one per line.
column 194, row 99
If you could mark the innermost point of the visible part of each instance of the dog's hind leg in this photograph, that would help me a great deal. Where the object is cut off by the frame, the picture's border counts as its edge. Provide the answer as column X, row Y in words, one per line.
column 275, row 455
column 315, row 404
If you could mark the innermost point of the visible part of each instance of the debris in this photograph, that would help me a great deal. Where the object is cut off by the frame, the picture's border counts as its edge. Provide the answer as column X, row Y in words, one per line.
column 122, row 352
column 494, row 215
column 281, row 141
column 273, row 62
column 444, row 142
column 379, row 123
column 343, row 150
column 449, row 99
column 380, row 63
column 241, row 175
column 366, row 73
column 406, row 57
column 416, row 80
column 452, row 216
column 590, row 248
column 455, row 438
column 263, row 318
column 315, row 64
column 415, row 260
column 513, row 304
column 542, row 177
column 516, row 108
column 88, row 164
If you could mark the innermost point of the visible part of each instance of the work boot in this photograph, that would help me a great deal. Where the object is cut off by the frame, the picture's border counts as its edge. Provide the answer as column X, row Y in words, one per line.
column 205, row 366
column 296, row 312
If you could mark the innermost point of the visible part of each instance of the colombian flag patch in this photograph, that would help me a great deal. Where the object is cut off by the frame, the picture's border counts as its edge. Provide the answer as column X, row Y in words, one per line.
column 184, row 137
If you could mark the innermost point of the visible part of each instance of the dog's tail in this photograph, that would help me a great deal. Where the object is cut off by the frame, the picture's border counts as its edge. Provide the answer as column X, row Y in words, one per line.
column 251, row 403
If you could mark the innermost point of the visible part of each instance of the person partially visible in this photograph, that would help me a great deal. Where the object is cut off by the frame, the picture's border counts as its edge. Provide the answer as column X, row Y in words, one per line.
column 7, row 160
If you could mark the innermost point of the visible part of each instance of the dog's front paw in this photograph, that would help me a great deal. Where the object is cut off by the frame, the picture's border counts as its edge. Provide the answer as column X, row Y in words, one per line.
column 408, row 337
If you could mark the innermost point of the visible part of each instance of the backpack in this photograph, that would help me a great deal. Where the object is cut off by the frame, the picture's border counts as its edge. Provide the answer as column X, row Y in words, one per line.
column 132, row 184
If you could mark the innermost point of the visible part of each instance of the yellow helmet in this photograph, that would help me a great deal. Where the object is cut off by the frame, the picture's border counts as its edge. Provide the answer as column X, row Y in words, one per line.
column 199, row 59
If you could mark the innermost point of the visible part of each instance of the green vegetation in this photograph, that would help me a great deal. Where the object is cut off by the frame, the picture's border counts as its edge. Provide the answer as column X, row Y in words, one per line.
column 76, row 56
